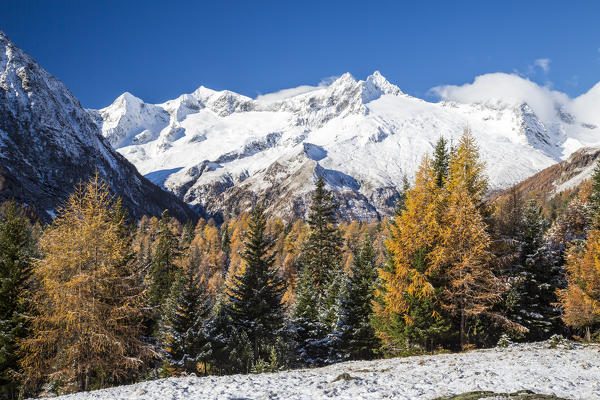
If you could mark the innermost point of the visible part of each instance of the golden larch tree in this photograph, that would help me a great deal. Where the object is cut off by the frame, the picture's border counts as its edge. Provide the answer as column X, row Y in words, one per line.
column 406, row 289
column 89, row 307
column 580, row 301
column 464, row 254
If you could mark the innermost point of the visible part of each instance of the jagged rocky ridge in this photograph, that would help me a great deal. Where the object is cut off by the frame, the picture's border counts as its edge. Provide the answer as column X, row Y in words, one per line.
column 49, row 143
column 221, row 152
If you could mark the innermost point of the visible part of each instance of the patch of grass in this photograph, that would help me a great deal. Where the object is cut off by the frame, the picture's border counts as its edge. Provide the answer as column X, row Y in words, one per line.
column 521, row 395
column 344, row 377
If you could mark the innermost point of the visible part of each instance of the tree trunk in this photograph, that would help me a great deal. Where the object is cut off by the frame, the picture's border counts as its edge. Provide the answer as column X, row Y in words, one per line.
column 588, row 334
column 462, row 328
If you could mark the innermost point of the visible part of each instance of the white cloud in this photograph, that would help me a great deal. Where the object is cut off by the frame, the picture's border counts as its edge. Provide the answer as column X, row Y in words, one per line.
column 543, row 63
column 586, row 106
column 291, row 92
column 501, row 89
column 505, row 89
column 286, row 93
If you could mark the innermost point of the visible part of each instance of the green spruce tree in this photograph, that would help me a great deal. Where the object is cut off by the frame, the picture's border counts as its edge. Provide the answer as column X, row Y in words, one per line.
column 255, row 296
column 321, row 255
column 322, row 250
column 218, row 331
column 355, row 336
column 312, row 346
column 401, row 203
column 163, row 271
column 188, row 308
column 441, row 161
column 17, row 249
column 532, row 301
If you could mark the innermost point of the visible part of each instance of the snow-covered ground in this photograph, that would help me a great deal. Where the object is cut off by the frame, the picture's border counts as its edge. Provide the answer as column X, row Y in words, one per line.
column 571, row 372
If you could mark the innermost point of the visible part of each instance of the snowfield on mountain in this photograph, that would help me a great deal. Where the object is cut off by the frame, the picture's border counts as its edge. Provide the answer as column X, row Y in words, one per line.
column 567, row 371
column 221, row 151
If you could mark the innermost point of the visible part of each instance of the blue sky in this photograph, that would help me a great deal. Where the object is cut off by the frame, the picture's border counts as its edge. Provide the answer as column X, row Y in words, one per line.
column 158, row 50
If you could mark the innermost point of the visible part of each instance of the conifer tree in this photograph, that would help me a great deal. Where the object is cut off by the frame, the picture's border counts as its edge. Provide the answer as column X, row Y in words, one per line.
column 594, row 199
column 509, row 217
column 472, row 289
column 401, row 203
column 571, row 226
column 355, row 337
column 88, row 309
column 226, row 245
column 441, row 160
column 322, row 255
column 255, row 295
column 163, row 269
column 188, row 308
column 17, row 249
column 188, row 234
column 407, row 308
column 535, row 278
column 467, row 170
column 322, row 250
column 312, row 344
column 580, row 301
column 218, row 330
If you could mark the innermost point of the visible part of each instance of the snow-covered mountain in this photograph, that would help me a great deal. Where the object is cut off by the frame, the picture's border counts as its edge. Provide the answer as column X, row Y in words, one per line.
column 222, row 151
column 49, row 143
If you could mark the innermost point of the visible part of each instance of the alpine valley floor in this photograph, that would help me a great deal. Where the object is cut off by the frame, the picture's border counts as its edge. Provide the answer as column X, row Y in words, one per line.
column 569, row 371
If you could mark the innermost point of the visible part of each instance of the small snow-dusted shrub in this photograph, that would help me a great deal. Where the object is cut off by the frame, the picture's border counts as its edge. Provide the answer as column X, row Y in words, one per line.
column 504, row 341
column 263, row 366
column 260, row 367
column 557, row 341
column 344, row 377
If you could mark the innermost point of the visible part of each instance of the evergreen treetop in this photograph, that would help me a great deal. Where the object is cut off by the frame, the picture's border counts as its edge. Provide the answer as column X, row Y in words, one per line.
column 322, row 248
column 163, row 269
column 441, row 161
column 255, row 295
column 356, row 337
column 188, row 307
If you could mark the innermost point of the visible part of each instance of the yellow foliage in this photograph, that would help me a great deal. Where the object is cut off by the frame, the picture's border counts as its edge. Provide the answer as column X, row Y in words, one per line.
column 415, row 230
column 581, row 299
column 467, row 170
column 89, row 306
column 464, row 256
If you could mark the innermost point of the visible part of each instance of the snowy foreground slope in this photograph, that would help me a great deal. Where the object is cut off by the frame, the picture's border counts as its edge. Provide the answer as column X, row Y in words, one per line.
column 220, row 151
column 572, row 373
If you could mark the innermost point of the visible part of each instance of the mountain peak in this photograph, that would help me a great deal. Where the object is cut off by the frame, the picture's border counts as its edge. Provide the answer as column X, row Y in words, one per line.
column 376, row 85
column 127, row 100
column 48, row 143
column 129, row 97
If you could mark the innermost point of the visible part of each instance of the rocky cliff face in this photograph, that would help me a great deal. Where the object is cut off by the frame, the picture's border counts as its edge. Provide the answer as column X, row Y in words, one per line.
column 49, row 143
